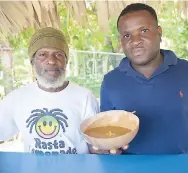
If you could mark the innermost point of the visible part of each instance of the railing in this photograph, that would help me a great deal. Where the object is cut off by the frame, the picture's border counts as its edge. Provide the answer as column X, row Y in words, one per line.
column 87, row 68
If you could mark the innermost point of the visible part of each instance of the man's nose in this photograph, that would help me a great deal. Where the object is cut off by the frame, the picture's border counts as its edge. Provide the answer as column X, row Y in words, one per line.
column 51, row 60
column 136, row 40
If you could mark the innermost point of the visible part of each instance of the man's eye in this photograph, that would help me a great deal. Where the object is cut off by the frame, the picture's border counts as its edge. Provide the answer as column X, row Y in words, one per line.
column 144, row 30
column 42, row 54
column 126, row 36
column 59, row 55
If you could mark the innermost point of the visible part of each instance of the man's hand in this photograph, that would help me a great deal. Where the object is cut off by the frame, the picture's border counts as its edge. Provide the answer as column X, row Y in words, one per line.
column 95, row 150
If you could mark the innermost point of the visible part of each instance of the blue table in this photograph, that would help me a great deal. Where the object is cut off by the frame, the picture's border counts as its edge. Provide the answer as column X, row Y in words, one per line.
column 30, row 163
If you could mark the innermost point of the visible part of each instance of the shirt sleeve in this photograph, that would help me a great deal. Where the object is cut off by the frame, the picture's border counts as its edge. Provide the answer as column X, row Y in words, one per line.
column 105, row 103
column 8, row 126
column 92, row 106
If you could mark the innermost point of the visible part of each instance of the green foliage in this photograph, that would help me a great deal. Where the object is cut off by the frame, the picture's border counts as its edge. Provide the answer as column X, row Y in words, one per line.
column 21, row 65
column 21, row 40
column 175, row 28
column 114, row 34
column 91, row 82
column 82, row 38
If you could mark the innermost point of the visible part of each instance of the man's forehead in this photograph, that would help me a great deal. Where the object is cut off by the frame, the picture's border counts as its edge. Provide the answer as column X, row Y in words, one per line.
column 49, row 49
column 137, row 15
column 137, row 20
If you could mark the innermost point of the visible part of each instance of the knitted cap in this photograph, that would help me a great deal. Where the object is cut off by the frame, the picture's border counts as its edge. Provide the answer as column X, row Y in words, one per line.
column 48, row 38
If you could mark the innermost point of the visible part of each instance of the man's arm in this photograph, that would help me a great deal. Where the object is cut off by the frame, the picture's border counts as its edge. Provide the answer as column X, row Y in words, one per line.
column 8, row 127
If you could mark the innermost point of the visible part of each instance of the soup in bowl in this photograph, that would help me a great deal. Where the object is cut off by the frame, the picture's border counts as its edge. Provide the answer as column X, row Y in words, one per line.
column 111, row 129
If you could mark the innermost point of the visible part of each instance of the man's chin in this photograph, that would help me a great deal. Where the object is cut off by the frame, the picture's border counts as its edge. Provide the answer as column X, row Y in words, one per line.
column 140, row 61
column 52, row 75
column 51, row 83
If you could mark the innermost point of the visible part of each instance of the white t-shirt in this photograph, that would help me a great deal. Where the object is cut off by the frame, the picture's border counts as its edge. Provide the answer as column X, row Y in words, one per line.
column 49, row 121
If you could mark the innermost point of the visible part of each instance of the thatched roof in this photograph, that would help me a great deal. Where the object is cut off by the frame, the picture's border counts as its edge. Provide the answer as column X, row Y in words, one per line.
column 18, row 15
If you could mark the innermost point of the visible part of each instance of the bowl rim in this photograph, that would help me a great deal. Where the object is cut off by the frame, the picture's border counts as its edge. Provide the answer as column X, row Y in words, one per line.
column 102, row 114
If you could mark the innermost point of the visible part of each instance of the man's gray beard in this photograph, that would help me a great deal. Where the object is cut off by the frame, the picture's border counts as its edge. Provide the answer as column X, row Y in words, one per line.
column 50, row 83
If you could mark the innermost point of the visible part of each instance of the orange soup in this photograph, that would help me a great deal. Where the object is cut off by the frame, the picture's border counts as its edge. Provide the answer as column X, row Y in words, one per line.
column 106, row 131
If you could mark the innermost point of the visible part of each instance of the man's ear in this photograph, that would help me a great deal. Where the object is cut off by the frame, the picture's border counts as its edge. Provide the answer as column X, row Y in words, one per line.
column 159, row 29
column 32, row 60
column 67, row 59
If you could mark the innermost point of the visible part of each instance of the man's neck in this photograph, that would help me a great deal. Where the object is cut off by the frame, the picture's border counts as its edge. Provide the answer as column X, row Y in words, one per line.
column 65, row 84
column 148, row 69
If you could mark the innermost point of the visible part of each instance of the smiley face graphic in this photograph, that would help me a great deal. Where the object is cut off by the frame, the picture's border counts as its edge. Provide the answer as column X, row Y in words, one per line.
column 47, row 123
column 47, row 127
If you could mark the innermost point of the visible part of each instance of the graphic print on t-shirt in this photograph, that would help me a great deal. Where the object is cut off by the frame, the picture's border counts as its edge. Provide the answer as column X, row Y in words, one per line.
column 47, row 123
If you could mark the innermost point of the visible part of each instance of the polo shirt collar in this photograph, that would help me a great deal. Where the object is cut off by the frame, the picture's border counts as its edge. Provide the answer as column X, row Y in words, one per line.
column 168, row 56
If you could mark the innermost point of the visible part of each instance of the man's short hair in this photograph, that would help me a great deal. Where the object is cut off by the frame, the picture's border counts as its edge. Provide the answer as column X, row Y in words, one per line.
column 138, row 7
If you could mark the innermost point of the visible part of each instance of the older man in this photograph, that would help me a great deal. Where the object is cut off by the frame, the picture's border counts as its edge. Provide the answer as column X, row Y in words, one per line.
column 49, row 111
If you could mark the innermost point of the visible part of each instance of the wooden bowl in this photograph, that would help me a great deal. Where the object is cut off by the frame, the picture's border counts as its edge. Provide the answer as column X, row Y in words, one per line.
column 118, row 118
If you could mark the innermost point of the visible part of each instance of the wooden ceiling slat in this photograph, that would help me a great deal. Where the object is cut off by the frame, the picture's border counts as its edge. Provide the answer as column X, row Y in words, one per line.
column 38, row 11
column 102, row 14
